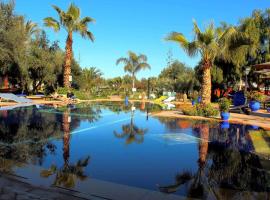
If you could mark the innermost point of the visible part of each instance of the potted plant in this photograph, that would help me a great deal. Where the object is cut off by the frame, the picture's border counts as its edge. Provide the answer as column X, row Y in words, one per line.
column 255, row 100
column 194, row 98
column 224, row 107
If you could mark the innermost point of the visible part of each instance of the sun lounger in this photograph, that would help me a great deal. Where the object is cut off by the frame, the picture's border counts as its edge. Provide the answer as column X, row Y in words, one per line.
column 13, row 97
column 169, row 99
column 169, row 106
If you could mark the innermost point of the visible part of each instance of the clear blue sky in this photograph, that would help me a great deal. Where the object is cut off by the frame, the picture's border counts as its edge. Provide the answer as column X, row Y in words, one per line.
column 140, row 26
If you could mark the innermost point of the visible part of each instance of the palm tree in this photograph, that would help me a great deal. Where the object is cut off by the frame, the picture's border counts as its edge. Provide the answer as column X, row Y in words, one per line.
column 90, row 77
column 209, row 44
column 30, row 28
column 133, row 64
column 71, row 22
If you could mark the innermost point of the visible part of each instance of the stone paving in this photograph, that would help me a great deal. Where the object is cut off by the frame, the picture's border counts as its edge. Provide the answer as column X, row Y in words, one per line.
column 13, row 189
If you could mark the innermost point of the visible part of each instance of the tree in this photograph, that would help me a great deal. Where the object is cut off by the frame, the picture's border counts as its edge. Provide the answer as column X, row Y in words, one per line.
column 209, row 44
column 179, row 77
column 13, row 39
column 133, row 64
column 90, row 78
column 71, row 22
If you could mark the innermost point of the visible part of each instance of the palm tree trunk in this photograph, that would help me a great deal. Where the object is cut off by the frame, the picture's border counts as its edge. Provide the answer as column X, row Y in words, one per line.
column 133, row 83
column 6, row 81
column 206, row 84
column 66, row 138
column 67, row 65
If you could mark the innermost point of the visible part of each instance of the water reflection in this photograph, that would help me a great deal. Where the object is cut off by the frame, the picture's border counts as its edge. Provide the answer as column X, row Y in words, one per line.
column 195, row 182
column 26, row 134
column 131, row 132
column 226, row 164
column 67, row 174
column 223, row 160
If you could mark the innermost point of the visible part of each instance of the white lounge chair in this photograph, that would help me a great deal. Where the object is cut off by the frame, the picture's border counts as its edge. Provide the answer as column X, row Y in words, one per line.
column 169, row 106
column 13, row 97
column 169, row 99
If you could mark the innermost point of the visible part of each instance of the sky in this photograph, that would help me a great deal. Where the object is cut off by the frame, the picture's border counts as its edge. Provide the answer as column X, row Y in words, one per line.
column 137, row 25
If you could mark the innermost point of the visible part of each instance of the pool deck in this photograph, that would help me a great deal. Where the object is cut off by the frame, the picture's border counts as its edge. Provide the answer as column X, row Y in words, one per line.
column 260, row 118
column 33, row 186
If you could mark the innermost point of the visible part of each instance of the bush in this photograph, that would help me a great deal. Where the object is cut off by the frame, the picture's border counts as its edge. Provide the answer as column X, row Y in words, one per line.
column 204, row 110
column 224, row 104
column 82, row 95
column 256, row 96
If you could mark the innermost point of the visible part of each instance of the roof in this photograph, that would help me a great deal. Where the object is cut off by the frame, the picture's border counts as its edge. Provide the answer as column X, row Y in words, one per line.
column 263, row 69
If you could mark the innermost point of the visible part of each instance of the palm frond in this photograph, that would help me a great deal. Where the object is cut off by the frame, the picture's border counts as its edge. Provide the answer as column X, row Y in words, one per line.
column 90, row 36
column 31, row 27
column 196, row 28
column 179, row 38
column 122, row 60
column 133, row 56
column 52, row 23
column 60, row 12
column 192, row 48
column 142, row 66
column 87, row 20
column 129, row 68
column 73, row 11
column 142, row 58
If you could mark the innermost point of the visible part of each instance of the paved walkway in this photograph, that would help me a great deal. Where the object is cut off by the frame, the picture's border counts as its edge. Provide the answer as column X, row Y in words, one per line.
column 13, row 189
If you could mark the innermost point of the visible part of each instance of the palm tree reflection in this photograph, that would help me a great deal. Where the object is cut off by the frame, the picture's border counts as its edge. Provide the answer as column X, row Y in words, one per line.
column 131, row 132
column 67, row 175
column 197, row 184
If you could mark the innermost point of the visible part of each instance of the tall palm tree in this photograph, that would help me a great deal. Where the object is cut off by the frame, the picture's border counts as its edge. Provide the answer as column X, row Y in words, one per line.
column 71, row 22
column 133, row 64
column 209, row 44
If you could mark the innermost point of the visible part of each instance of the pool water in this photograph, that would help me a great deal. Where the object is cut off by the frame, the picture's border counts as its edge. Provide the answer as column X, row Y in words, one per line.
column 123, row 144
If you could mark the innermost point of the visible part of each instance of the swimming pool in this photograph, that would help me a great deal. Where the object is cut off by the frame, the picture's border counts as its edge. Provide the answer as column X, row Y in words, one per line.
column 115, row 145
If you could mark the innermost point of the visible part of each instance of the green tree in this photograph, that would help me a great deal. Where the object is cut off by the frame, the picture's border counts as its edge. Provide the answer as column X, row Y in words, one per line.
column 71, row 22
column 133, row 64
column 90, row 78
column 209, row 44
column 13, row 43
column 178, row 77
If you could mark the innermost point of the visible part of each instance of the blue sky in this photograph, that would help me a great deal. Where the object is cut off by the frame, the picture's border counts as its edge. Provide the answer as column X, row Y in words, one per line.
column 140, row 26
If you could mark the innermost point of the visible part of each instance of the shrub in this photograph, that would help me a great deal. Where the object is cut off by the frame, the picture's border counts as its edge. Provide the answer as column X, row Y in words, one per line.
column 224, row 104
column 256, row 96
column 205, row 110
column 82, row 95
